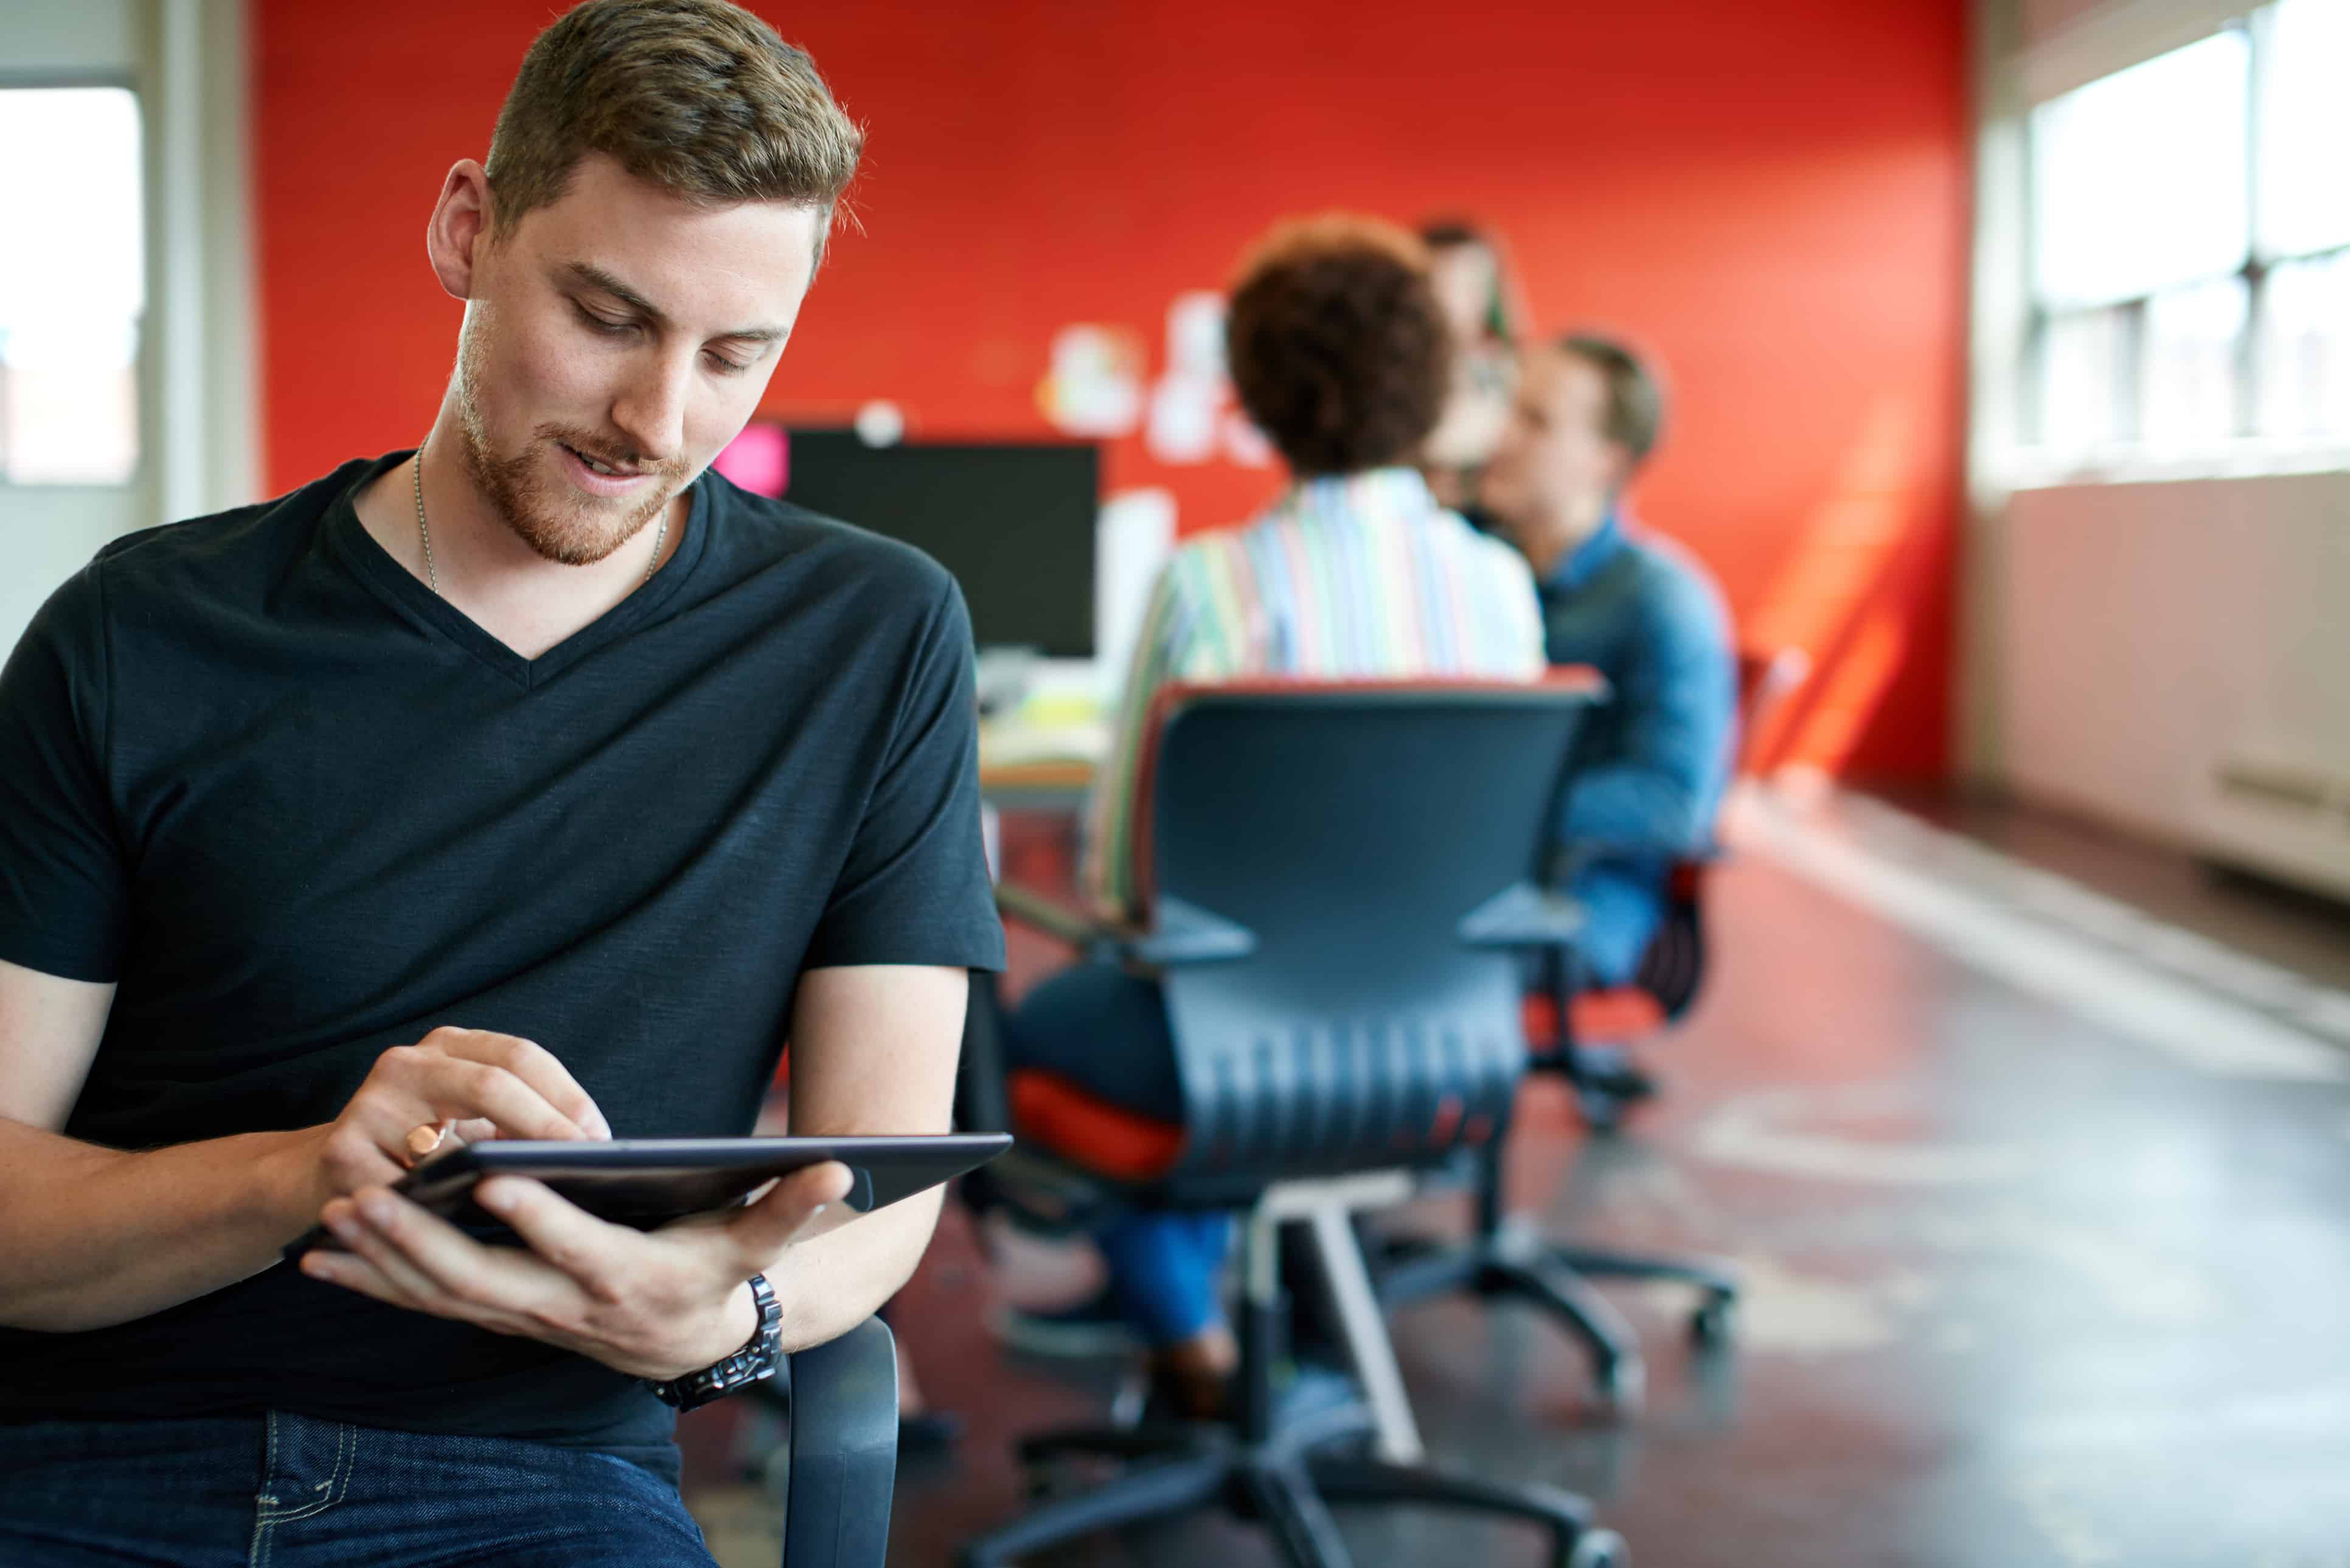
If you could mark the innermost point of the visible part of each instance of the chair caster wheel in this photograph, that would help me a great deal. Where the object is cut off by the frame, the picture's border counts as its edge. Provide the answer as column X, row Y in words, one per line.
column 1599, row 1549
column 1711, row 1324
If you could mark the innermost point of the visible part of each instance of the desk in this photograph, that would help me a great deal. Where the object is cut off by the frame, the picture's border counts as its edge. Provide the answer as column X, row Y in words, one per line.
column 1058, row 784
column 1040, row 767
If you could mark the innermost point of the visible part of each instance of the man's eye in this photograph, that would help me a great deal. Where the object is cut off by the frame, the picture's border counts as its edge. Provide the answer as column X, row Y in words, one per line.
column 726, row 366
column 610, row 328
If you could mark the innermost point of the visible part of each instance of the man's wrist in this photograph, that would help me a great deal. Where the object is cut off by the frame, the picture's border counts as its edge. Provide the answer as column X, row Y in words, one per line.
column 283, row 1192
column 759, row 1357
column 728, row 1331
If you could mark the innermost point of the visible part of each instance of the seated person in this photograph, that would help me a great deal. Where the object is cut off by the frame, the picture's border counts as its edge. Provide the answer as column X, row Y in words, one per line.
column 1339, row 353
column 1474, row 288
column 1647, row 769
column 535, row 783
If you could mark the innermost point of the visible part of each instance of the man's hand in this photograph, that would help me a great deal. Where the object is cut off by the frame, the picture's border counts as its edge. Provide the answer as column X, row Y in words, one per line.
column 489, row 1086
column 655, row 1304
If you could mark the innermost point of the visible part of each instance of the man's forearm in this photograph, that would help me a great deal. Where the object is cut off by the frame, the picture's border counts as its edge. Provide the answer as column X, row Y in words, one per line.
column 828, row 1285
column 1627, row 808
column 99, row 1236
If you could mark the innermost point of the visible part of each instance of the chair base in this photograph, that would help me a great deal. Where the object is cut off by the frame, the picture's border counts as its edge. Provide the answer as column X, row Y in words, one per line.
column 1606, row 1082
column 1512, row 1261
column 1286, row 1481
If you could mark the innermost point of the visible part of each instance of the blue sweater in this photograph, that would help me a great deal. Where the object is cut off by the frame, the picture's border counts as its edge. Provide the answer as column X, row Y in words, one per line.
column 1647, row 769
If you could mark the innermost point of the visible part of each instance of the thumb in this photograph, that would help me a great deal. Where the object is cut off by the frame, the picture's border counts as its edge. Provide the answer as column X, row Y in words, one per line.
column 764, row 1229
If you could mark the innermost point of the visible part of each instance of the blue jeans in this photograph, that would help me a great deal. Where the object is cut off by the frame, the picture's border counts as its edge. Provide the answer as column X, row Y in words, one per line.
column 1106, row 1031
column 287, row 1491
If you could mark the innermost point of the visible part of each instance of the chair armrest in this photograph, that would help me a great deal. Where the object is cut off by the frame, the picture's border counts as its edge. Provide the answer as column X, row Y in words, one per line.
column 1185, row 933
column 844, row 1450
column 1523, row 915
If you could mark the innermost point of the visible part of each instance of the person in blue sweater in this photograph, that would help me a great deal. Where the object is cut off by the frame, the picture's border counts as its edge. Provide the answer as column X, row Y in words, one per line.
column 1648, row 769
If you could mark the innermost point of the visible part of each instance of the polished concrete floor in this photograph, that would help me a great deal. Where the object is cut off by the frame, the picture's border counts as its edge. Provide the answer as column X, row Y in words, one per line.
column 2022, row 1289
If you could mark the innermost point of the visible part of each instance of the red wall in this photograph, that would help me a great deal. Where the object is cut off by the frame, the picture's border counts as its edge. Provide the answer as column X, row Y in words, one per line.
column 1769, row 193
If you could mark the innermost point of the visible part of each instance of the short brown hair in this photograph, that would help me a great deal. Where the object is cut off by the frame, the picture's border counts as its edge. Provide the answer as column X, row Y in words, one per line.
column 697, row 97
column 1635, row 402
column 1338, row 348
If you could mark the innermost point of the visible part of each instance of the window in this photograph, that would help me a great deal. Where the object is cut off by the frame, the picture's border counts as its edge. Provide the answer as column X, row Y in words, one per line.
column 2139, row 180
column 2304, row 353
column 73, row 285
column 2190, row 246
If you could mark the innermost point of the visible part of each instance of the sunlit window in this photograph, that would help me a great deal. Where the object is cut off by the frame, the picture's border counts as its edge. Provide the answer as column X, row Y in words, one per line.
column 2191, row 246
column 73, row 285
column 2139, row 181
column 2083, row 367
column 2305, row 197
column 2305, row 349
column 2188, row 364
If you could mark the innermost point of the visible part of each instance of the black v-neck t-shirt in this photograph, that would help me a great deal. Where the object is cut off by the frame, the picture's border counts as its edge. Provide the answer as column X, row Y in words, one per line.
column 301, row 810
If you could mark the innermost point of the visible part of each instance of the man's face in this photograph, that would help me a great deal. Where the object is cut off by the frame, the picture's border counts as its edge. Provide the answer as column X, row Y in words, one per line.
column 1463, row 276
column 625, row 328
column 1555, row 466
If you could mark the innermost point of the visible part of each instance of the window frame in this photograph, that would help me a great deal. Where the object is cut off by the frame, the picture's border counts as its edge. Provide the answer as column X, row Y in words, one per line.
column 2127, row 455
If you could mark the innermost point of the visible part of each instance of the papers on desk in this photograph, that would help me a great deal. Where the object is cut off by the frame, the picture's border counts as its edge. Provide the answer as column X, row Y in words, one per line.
column 1008, row 743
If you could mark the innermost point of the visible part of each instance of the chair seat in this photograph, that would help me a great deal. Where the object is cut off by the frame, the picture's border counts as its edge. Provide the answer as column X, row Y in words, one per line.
column 1049, row 1109
column 1616, row 1015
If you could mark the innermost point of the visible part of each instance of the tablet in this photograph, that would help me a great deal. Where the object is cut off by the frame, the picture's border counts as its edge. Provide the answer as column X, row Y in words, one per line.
column 649, row 1182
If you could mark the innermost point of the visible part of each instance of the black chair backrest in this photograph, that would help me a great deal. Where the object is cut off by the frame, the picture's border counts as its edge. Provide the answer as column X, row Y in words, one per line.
column 1338, row 839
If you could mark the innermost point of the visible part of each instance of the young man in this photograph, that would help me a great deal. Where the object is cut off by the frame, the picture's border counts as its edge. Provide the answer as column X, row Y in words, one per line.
column 537, row 784
column 1339, row 353
column 1649, row 766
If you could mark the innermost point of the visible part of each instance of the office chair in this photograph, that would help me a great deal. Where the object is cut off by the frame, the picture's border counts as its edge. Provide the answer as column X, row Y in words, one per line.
column 840, row 1400
column 1581, row 1035
column 1339, row 942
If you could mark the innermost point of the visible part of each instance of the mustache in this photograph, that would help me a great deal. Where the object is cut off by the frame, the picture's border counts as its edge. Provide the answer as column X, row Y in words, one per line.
column 610, row 453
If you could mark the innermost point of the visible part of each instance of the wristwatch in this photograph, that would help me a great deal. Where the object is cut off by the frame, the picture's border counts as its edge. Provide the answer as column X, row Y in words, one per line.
column 760, row 1358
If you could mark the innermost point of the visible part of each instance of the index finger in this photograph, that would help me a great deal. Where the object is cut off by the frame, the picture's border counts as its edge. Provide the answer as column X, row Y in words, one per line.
column 536, row 1066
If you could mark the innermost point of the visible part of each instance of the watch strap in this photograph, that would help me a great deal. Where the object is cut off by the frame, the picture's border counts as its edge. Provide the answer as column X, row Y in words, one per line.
column 758, row 1359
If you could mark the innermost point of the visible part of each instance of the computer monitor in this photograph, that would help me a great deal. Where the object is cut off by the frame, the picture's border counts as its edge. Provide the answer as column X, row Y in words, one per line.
column 1013, row 521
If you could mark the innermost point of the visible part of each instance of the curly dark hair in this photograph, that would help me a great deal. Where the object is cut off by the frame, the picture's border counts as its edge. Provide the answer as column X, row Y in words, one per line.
column 1338, row 346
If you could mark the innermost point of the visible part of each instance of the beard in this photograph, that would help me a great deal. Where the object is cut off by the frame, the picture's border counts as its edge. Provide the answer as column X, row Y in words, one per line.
column 558, row 523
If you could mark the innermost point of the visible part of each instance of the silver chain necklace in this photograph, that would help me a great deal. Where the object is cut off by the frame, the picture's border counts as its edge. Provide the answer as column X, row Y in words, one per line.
column 432, row 577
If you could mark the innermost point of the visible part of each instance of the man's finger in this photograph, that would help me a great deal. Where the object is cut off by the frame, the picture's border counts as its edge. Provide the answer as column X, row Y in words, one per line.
column 455, row 1088
column 354, row 1272
column 762, row 1230
column 565, row 1235
column 432, row 1260
column 410, row 1288
column 536, row 1066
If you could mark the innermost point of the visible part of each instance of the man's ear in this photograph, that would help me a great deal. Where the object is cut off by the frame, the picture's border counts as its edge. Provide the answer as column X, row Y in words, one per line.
column 460, row 227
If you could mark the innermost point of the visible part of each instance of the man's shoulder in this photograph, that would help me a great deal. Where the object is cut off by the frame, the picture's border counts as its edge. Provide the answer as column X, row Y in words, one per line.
column 155, row 575
column 1672, row 582
column 763, row 532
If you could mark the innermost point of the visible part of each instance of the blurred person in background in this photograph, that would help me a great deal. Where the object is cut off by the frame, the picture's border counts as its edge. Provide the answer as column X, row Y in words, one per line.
column 1340, row 354
column 1472, row 288
column 294, row 791
column 1648, row 768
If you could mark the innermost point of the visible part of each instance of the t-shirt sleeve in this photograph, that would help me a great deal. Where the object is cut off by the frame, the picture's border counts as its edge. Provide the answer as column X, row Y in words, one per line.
column 914, row 889
column 63, row 895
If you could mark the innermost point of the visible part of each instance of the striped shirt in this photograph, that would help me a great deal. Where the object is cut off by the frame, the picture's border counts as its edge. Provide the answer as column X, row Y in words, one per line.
column 1359, row 577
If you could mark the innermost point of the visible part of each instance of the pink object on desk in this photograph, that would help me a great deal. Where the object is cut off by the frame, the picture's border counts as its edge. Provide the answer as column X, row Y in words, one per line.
column 759, row 459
